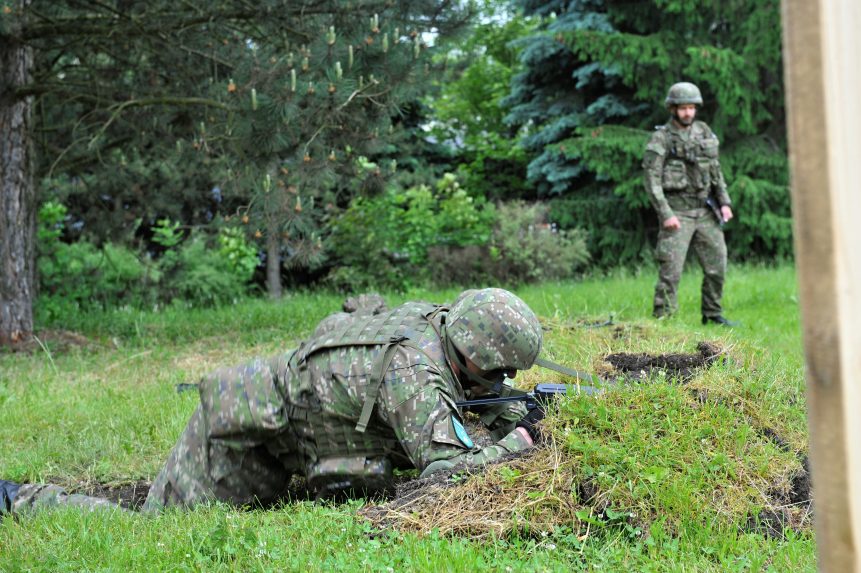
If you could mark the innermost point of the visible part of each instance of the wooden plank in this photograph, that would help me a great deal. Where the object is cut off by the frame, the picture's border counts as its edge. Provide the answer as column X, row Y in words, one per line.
column 822, row 59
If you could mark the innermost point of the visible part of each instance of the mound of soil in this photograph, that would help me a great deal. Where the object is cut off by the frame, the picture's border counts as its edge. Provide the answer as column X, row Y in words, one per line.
column 129, row 496
column 678, row 366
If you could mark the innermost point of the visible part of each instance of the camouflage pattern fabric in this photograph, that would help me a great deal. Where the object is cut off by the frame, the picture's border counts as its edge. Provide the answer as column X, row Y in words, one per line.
column 365, row 304
column 297, row 413
column 260, row 423
column 31, row 497
column 495, row 329
column 700, row 230
column 682, row 168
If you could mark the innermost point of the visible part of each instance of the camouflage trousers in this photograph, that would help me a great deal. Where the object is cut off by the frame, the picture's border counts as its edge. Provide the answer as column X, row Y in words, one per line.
column 238, row 447
column 243, row 470
column 32, row 496
column 700, row 231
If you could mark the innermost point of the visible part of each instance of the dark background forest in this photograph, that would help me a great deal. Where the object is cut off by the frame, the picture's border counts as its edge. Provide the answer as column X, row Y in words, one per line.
column 180, row 153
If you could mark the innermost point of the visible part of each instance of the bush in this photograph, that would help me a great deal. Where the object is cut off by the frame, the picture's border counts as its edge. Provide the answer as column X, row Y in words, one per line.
column 384, row 241
column 524, row 248
column 82, row 275
column 198, row 275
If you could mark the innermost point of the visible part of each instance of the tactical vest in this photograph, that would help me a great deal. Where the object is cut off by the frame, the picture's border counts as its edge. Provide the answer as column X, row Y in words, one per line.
column 689, row 166
column 341, row 449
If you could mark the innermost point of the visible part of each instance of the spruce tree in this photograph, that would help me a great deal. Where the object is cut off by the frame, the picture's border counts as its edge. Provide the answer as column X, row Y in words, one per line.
column 597, row 73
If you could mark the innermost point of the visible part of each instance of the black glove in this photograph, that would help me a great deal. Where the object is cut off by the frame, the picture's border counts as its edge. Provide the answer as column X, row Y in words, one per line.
column 529, row 423
column 8, row 491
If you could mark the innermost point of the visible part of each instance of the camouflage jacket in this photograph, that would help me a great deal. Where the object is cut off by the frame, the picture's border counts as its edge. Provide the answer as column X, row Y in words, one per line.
column 391, row 367
column 682, row 168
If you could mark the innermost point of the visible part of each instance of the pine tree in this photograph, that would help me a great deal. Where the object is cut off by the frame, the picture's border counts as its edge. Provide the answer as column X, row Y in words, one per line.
column 119, row 83
column 305, row 107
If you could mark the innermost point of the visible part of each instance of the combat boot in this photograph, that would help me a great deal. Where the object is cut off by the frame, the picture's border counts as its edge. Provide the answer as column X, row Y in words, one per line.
column 8, row 491
column 719, row 320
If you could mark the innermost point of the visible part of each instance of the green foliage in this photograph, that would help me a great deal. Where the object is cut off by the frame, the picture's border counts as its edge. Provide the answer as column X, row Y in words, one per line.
column 468, row 114
column 384, row 241
column 82, row 276
column 526, row 248
column 196, row 274
column 239, row 253
column 166, row 233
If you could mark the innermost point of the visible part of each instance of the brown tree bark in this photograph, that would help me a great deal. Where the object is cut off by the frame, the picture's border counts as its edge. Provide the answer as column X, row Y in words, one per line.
column 273, row 263
column 17, row 192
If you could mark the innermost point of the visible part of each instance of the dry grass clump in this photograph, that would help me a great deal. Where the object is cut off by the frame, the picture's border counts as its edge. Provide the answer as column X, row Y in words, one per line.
column 534, row 493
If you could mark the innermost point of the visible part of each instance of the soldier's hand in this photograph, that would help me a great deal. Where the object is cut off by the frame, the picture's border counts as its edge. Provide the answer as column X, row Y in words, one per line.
column 726, row 211
column 672, row 224
column 529, row 422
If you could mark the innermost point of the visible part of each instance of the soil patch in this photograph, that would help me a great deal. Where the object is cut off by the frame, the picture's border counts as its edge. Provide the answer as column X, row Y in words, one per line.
column 682, row 367
column 790, row 506
column 129, row 496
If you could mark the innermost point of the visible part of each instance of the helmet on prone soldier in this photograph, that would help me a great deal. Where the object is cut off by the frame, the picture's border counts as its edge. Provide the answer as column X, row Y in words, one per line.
column 495, row 330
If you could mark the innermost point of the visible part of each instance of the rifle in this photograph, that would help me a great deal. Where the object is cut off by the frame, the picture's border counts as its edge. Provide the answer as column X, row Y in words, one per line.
column 712, row 204
column 541, row 395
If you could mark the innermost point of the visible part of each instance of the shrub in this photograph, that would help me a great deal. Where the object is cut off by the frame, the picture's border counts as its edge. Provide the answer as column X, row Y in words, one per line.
column 82, row 275
column 384, row 241
column 523, row 248
column 203, row 276
column 526, row 248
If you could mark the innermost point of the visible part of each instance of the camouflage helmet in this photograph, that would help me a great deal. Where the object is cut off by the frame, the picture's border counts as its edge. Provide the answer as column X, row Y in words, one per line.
column 683, row 93
column 494, row 329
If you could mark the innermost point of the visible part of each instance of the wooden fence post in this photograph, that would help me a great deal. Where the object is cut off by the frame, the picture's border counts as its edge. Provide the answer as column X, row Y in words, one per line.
column 822, row 63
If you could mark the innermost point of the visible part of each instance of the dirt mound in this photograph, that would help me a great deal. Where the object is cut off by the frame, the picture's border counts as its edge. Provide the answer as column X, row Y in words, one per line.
column 129, row 496
column 677, row 366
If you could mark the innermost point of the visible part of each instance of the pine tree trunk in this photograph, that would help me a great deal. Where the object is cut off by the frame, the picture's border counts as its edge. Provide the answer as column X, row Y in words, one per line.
column 273, row 264
column 17, row 193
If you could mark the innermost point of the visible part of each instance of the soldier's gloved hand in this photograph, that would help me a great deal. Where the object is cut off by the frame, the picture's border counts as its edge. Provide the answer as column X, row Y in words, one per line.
column 529, row 422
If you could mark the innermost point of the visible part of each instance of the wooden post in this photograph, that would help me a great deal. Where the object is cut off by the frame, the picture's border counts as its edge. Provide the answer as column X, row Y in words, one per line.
column 822, row 55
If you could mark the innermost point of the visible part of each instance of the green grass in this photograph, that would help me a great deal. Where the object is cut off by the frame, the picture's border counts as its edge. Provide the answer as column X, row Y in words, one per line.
column 109, row 413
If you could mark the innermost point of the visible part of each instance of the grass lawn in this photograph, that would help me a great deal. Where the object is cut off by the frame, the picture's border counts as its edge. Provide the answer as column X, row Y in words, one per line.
column 650, row 476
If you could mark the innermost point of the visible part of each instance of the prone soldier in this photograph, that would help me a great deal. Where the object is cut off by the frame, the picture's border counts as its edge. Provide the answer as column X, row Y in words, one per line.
column 367, row 393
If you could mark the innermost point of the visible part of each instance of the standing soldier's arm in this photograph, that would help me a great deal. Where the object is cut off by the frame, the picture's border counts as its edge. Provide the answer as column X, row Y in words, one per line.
column 719, row 185
column 653, row 167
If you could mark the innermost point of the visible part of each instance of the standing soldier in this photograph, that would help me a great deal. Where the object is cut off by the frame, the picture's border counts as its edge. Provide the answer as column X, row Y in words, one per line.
column 687, row 189
column 365, row 394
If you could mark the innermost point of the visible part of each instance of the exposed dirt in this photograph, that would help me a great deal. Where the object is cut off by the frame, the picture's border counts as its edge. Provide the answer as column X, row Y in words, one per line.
column 129, row 496
column 790, row 506
column 681, row 367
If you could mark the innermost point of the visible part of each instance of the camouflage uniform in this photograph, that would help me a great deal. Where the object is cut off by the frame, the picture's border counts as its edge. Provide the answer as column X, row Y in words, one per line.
column 681, row 170
column 364, row 395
